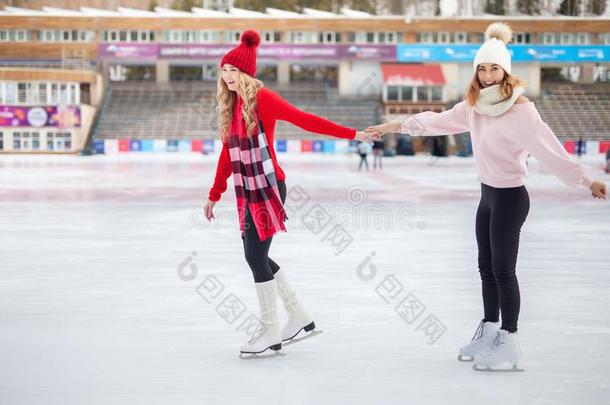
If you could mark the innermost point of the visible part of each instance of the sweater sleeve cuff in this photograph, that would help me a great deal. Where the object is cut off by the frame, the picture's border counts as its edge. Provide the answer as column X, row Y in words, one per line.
column 214, row 196
column 586, row 181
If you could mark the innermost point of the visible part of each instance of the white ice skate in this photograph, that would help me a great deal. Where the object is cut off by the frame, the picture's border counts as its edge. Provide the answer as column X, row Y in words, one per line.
column 505, row 349
column 269, row 336
column 480, row 342
column 298, row 318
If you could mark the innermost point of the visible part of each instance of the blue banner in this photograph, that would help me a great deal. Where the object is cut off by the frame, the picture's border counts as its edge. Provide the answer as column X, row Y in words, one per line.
column 318, row 146
column 208, row 146
column 329, row 146
column 519, row 53
column 184, row 145
column 135, row 145
column 281, row 145
column 172, row 145
column 147, row 145
column 98, row 145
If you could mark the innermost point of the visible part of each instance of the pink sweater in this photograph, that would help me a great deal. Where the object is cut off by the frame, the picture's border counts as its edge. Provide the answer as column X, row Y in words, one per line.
column 501, row 144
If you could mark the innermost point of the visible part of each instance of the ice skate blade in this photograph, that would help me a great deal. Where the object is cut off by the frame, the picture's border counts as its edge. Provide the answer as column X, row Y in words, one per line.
column 275, row 348
column 465, row 359
column 307, row 336
column 513, row 369
column 260, row 356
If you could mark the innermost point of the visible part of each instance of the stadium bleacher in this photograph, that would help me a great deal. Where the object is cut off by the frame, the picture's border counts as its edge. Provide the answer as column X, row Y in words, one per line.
column 573, row 110
column 187, row 110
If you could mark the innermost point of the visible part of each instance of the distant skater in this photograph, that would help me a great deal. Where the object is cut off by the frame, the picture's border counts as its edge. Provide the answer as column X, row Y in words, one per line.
column 363, row 151
column 378, row 149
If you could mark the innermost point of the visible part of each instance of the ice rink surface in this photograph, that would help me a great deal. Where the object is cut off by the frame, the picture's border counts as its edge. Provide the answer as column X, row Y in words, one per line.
column 113, row 290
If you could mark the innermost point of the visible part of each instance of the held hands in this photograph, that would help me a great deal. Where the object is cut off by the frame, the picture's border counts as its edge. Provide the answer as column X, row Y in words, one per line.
column 381, row 129
column 366, row 137
column 598, row 189
column 208, row 210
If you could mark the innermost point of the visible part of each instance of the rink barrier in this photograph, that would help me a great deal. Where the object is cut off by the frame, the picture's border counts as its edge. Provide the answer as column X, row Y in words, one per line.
column 589, row 146
column 209, row 146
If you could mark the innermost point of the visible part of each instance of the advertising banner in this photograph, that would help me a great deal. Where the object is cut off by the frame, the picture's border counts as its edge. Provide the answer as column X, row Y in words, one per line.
column 47, row 116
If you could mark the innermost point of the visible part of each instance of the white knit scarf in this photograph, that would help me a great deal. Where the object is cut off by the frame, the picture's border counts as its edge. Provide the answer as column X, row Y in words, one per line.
column 491, row 102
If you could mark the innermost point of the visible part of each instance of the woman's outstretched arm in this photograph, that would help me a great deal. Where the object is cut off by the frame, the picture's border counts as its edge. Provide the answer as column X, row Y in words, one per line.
column 542, row 143
column 428, row 123
column 281, row 109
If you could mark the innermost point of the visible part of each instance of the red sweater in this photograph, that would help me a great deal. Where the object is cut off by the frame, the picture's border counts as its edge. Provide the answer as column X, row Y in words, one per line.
column 272, row 107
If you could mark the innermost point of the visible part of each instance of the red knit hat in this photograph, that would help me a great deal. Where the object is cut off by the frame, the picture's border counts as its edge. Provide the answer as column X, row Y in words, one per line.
column 243, row 56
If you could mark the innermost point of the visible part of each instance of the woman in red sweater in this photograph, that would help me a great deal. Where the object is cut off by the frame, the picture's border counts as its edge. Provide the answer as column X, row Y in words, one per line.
column 247, row 114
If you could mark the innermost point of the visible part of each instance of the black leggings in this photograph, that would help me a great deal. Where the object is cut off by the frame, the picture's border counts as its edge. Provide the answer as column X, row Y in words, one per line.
column 257, row 251
column 501, row 213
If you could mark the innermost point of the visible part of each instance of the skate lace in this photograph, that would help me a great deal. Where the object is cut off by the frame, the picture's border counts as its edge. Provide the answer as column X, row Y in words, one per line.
column 255, row 338
column 478, row 333
column 498, row 341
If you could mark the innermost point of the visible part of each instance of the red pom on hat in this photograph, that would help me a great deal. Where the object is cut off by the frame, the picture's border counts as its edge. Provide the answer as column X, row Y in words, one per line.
column 250, row 38
column 243, row 56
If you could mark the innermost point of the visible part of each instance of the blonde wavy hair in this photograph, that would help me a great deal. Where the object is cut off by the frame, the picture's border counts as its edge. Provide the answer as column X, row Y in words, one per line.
column 507, row 85
column 248, row 88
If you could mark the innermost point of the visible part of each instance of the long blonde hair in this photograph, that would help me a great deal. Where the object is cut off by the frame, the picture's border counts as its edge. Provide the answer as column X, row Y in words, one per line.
column 248, row 88
column 507, row 85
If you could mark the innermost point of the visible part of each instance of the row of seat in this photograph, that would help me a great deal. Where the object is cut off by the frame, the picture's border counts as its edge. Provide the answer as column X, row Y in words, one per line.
column 181, row 110
column 574, row 110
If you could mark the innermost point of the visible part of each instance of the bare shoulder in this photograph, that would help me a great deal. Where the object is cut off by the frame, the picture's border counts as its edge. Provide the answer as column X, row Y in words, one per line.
column 522, row 99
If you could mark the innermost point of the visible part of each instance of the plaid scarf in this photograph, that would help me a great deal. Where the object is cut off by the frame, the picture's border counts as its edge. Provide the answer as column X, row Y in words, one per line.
column 254, row 178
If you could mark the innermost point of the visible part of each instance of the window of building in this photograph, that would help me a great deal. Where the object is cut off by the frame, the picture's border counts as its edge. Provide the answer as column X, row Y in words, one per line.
column 10, row 89
column 232, row 36
column 393, row 93
column 566, row 38
column 26, row 141
column 461, row 37
column 35, row 141
column 21, row 92
column 50, row 141
column 436, row 93
column 444, row 38
column 422, row 94
column 549, row 38
column 21, row 35
column 407, row 93
column 522, row 37
column 329, row 37
column 583, row 38
column 16, row 140
column 67, row 140
column 271, row 36
column 425, row 37
column 477, row 37
column 43, row 89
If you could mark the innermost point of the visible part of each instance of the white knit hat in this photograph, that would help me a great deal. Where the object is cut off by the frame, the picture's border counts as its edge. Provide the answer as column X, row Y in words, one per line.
column 494, row 49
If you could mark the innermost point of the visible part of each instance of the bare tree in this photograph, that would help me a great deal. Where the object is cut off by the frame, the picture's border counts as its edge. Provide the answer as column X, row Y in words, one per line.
column 530, row 7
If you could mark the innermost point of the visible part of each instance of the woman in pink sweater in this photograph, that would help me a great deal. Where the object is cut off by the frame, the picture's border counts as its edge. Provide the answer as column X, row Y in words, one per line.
column 505, row 127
